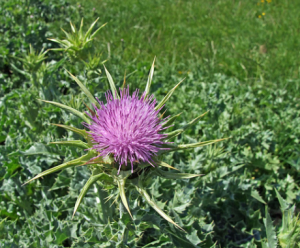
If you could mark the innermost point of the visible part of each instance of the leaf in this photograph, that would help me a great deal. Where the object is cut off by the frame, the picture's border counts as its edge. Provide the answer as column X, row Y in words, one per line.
column 283, row 204
column 73, row 27
column 81, row 132
column 181, row 130
column 166, row 98
column 287, row 212
column 163, row 240
column 171, row 120
column 193, row 238
column 80, row 29
column 68, row 36
column 36, row 149
column 20, row 71
column 171, row 175
column 94, row 34
column 173, row 134
column 271, row 235
column 54, row 67
column 178, row 204
column 112, row 84
column 121, row 185
column 233, row 169
column 193, row 145
column 85, row 90
column 62, row 180
column 73, row 111
column 77, row 143
column 161, row 163
column 90, row 29
column 148, row 85
column 86, row 187
column 57, row 41
column 56, row 49
column 255, row 194
column 145, row 195
column 72, row 163
column 180, row 241
column 191, row 123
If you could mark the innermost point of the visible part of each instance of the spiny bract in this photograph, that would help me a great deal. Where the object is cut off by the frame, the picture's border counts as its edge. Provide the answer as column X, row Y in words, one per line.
column 126, row 128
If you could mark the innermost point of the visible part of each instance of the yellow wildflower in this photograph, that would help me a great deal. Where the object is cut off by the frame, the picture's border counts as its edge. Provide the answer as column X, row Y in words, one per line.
column 259, row 16
column 263, row 13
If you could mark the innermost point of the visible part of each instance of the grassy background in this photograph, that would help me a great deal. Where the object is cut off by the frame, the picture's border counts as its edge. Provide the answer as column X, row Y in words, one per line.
column 225, row 37
column 239, row 63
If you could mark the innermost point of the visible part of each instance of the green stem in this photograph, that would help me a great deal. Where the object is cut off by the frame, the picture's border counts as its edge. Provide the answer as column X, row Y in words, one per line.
column 124, row 235
column 122, row 210
column 106, row 208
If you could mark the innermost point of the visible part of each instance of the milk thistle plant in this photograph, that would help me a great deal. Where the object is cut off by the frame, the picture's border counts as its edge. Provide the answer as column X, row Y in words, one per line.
column 125, row 142
column 76, row 42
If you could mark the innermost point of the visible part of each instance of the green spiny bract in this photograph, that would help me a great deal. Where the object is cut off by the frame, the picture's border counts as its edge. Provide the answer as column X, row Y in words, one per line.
column 33, row 60
column 289, row 233
column 76, row 42
column 108, row 170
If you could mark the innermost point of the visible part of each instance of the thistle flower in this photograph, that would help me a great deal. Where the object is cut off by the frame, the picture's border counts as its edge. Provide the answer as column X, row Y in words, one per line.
column 127, row 129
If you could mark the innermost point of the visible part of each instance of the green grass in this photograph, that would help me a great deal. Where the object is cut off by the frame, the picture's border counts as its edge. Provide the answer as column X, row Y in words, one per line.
column 212, row 36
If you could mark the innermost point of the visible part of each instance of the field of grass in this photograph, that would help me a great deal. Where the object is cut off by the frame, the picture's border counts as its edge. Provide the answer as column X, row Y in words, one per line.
column 240, row 61
column 225, row 37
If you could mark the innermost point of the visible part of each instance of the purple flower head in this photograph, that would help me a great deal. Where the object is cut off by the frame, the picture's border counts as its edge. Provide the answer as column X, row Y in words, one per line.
column 128, row 128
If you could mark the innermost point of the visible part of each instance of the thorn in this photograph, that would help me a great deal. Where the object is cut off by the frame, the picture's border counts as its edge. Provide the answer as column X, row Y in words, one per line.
column 24, row 184
column 161, row 116
column 91, row 111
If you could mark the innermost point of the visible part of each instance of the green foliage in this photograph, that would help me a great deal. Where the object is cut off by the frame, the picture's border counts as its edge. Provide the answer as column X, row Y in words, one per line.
column 242, row 68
